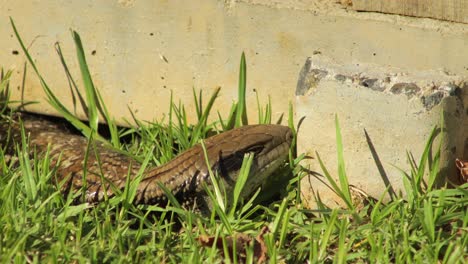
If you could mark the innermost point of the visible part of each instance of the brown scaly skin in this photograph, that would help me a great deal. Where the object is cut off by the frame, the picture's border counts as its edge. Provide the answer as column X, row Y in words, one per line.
column 183, row 175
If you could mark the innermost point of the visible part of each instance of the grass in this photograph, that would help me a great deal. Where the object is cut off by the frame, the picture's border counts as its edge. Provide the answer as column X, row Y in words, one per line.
column 38, row 224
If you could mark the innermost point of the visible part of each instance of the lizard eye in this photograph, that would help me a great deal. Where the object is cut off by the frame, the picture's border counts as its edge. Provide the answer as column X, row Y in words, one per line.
column 255, row 149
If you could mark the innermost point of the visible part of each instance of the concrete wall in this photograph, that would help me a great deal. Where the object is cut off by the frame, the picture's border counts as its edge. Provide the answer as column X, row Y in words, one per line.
column 140, row 51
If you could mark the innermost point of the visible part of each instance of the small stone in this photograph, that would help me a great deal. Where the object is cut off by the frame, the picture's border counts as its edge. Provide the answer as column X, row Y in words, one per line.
column 451, row 88
column 432, row 100
column 372, row 83
column 340, row 77
column 409, row 89
column 318, row 73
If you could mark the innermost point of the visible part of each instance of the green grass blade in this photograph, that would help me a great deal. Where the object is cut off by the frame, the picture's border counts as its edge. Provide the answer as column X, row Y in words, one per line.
column 341, row 166
column 170, row 196
column 279, row 218
column 268, row 112
column 95, row 102
column 259, row 107
column 285, row 227
column 217, row 190
column 428, row 220
column 72, row 210
column 248, row 205
column 28, row 175
column 325, row 239
column 332, row 182
column 343, row 240
column 433, row 162
column 71, row 81
column 131, row 185
column 198, row 103
column 112, row 125
column 294, row 130
column 91, row 96
column 5, row 78
column 231, row 120
column 241, row 180
column 202, row 123
column 241, row 112
column 218, row 209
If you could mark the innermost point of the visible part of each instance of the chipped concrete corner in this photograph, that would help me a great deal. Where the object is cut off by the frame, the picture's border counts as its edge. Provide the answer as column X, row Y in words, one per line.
column 383, row 113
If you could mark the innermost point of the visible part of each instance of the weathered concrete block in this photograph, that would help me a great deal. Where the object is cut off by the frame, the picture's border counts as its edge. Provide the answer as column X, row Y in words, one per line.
column 383, row 113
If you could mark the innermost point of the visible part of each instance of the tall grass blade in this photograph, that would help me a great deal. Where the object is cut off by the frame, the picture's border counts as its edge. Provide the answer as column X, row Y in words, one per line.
column 240, row 183
column 231, row 120
column 341, row 166
column 217, row 190
column 279, row 217
column 72, row 83
column 95, row 102
column 333, row 183
column 198, row 103
column 421, row 169
column 324, row 242
column 428, row 219
column 131, row 185
column 91, row 96
column 216, row 207
column 343, row 241
column 170, row 196
column 28, row 175
column 241, row 112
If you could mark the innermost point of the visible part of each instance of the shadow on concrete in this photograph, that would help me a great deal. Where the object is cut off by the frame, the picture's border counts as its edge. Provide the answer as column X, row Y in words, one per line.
column 380, row 167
